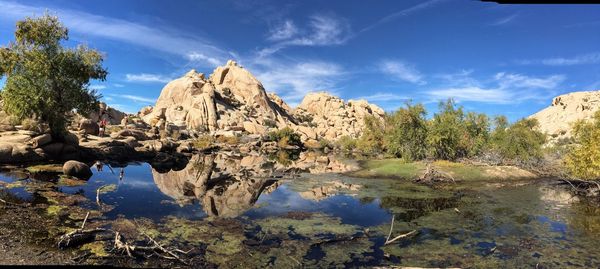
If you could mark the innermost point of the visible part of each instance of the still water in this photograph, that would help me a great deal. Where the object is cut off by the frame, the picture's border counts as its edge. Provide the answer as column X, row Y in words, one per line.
column 245, row 215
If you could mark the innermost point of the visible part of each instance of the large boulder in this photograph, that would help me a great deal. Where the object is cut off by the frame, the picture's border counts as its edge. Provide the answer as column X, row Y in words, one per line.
column 89, row 126
column 77, row 169
column 326, row 116
column 557, row 119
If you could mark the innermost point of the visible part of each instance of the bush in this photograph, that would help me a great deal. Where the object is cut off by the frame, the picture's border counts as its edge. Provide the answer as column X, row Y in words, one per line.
column 231, row 140
column 447, row 138
column 371, row 141
column 406, row 133
column 204, row 142
column 520, row 141
column 346, row 143
column 583, row 160
column 285, row 137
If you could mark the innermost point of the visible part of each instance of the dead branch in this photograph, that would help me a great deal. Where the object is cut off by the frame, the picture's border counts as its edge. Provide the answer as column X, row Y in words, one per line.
column 388, row 241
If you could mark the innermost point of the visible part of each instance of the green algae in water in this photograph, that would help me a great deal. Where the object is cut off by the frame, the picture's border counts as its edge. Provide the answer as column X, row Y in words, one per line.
column 96, row 248
column 317, row 224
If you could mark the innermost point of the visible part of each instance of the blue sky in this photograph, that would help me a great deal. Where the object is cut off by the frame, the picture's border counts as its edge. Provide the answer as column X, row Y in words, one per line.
column 497, row 59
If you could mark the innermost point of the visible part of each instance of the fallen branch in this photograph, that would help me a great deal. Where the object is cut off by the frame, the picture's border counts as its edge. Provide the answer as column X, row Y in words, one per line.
column 388, row 241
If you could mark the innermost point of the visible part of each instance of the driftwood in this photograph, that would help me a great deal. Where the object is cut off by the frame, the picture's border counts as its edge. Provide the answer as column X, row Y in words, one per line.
column 432, row 175
column 583, row 187
column 388, row 241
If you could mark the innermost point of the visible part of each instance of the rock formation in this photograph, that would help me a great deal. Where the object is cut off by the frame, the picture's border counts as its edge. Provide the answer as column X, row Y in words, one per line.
column 557, row 119
column 232, row 99
column 329, row 117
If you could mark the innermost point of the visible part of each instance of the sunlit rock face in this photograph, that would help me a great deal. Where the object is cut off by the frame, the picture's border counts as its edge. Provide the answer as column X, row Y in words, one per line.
column 330, row 117
column 557, row 119
column 231, row 98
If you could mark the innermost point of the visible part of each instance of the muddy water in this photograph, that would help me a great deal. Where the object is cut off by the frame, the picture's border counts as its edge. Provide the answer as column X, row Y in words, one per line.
column 239, row 217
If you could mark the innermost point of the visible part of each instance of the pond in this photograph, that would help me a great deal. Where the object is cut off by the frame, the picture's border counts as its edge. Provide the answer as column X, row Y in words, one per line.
column 258, row 213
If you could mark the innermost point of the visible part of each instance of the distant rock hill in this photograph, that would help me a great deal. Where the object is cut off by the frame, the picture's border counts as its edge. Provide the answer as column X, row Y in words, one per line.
column 232, row 99
column 557, row 119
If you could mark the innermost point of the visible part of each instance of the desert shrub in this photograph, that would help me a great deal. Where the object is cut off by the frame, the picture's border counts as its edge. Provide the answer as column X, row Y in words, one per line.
column 285, row 137
column 346, row 143
column 583, row 160
column 270, row 123
column 324, row 143
column 31, row 125
column 447, row 134
column 371, row 140
column 203, row 142
column 406, row 133
column 519, row 141
column 231, row 140
column 477, row 126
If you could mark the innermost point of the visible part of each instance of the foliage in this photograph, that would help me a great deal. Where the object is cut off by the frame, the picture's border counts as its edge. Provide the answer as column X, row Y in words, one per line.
column 346, row 143
column 583, row 161
column 230, row 140
column 478, row 132
column 519, row 141
column 447, row 132
column 44, row 79
column 285, row 137
column 203, row 142
column 371, row 141
column 406, row 133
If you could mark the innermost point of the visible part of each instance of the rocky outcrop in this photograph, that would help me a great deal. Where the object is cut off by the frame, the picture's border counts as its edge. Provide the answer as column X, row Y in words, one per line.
column 326, row 116
column 114, row 116
column 232, row 99
column 557, row 119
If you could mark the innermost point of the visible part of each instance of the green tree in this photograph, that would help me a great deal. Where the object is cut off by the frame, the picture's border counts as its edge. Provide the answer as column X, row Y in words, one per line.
column 406, row 133
column 46, row 80
column 478, row 132
column 371, row 140
column 583, row 161
column 447, row 132
column 519, row 141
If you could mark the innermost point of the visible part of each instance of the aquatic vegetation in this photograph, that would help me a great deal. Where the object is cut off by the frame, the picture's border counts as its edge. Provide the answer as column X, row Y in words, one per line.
column 45, row 168
column 96, row 248
column 315, row 226
column 389, row 168
column 54, row 209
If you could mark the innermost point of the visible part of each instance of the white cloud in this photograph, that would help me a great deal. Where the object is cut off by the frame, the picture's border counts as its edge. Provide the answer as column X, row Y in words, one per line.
column 383, row 97
column 135, row 98
column 322, row 30
column 284, row 31
column 143, row 77
column 401, row 13
column 97, row 87
column 294, row 80
column 85, row 24
column 503, row 88
column 504, row 20
column 401, row 71
column 474, row 94
column 590, row 58
column 198, row 57
column 117, row 85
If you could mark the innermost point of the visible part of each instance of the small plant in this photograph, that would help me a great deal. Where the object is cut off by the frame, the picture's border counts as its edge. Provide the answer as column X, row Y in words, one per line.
column 230, row 140
column 285, row 137
column 346, row 143
column 204, row 142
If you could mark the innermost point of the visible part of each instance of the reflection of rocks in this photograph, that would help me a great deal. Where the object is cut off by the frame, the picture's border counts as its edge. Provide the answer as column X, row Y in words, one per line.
column 329, row 189
column 210, row 179
column 227, row 184
column 557, row 196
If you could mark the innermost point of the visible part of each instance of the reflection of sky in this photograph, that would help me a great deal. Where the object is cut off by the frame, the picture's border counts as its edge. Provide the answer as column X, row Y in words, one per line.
column 136, row 196
column 348, row 208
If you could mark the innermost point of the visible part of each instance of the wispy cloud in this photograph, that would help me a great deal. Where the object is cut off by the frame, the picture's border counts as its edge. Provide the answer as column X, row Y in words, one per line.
column 504, row 20
column 401, row 71
column 399, row 14
column 294, row 80
column 286, row 30
column 503, row 88
column 322, row 30
column 85, row 24
column 97, row 87
column 135, row 98
column 143, row 77
column 590, row 58
column 383, row 97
